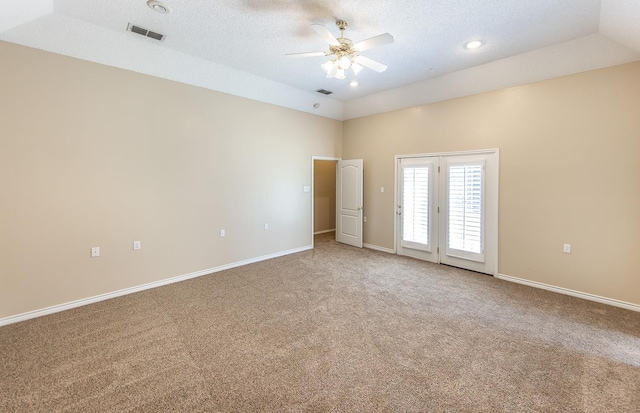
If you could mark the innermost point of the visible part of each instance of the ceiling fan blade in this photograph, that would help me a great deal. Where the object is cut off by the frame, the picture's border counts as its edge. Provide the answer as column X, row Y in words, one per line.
column 325, row 34
column 371, row 64
column 307, row 54
column 372, row 42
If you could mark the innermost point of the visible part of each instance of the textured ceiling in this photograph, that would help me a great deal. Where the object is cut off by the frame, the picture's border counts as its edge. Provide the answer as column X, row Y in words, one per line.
column 216, row 43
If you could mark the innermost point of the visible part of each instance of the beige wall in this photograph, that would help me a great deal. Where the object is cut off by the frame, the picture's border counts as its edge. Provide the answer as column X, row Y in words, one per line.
column 324, row 195
column 96, row 156
column 569, row 173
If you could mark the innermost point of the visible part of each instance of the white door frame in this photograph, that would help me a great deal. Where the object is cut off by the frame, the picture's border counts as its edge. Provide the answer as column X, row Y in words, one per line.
column 313, row 178
column 457, row 153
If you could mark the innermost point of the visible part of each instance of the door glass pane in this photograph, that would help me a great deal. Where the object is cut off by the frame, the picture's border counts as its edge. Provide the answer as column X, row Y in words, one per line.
column 465, row 208
column 415, row 204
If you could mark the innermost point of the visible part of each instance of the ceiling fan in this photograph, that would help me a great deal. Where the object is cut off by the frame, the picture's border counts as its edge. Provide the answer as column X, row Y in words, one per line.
column 347, row 54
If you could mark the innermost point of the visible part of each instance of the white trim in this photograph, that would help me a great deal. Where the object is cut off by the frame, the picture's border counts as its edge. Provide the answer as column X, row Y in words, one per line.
column 325, row 158
column 324, row 232
column 377, row 248
column 496, row 215
column 396, row 159
column 91, row 300
column 573, row 293
column 455, row 153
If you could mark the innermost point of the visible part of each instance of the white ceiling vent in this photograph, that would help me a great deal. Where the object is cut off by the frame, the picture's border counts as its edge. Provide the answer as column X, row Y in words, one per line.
column 144, row 32
column 324, row 92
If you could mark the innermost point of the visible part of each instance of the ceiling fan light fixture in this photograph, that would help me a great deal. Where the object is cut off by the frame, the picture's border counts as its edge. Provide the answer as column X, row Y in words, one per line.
column 345, row 53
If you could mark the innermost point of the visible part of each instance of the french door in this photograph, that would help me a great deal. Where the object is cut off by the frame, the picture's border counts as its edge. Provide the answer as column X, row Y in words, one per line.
column 417, row 214
column 447, row 209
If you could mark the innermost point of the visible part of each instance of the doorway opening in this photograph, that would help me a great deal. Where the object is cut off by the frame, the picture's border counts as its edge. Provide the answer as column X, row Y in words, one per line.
column 347, row 185
column 323, row 202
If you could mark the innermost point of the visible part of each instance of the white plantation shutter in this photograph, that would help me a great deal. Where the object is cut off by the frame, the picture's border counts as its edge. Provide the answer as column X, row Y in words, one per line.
column 415, row 202
column 465, row 208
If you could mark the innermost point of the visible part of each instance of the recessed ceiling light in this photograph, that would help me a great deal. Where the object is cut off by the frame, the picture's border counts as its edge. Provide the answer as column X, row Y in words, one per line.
column 159, row 7
column 474, row 44
column 353, row 84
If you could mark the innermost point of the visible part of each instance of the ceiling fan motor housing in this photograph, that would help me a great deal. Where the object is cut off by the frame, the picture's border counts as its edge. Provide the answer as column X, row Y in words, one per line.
column 345, row 48
column 342, row 24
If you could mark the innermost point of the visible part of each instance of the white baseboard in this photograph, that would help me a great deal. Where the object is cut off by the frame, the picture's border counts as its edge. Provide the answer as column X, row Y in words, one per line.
column 573, row 293
column 377, row 248
column 85, row 301
column 324, row 232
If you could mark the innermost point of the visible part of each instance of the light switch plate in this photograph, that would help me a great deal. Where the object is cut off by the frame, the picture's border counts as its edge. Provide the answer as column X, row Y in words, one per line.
column 95, row 252
column 566, row 248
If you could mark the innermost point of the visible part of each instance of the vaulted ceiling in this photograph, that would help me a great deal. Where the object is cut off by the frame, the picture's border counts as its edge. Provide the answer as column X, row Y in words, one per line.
column 239, row 46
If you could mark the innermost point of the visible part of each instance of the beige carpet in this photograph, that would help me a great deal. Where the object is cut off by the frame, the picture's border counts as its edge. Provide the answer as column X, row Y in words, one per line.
column 333, row 329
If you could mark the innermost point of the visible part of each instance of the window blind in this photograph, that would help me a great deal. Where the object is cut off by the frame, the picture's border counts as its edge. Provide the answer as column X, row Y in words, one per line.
column 465, row 208
column 415, row 202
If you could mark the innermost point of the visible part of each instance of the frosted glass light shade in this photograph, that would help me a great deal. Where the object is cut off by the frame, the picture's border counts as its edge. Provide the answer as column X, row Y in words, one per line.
column 344, row 62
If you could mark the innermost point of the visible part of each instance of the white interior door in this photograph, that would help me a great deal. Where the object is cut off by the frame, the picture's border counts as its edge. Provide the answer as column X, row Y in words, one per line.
column 417, row 208
column 349, row 175
column 447, row 209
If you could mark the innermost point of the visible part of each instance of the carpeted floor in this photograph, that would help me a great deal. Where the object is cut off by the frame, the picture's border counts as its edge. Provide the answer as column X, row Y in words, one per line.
column 333, row 329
